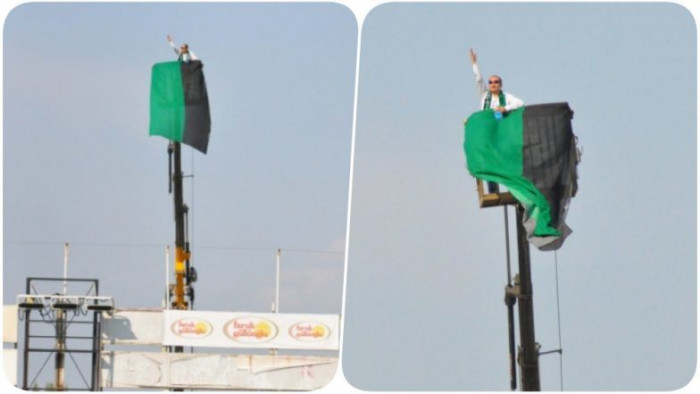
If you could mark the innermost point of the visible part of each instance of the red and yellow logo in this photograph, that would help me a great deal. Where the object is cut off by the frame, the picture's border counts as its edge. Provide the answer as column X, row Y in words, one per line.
column 191, row 328
column 309, row 331
column 251, row 330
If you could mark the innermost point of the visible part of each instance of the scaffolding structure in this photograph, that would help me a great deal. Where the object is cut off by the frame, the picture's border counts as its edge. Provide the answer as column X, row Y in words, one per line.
column 63, row 326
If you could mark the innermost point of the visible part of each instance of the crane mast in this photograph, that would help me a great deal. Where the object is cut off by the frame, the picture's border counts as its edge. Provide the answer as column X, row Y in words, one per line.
column 181, row 291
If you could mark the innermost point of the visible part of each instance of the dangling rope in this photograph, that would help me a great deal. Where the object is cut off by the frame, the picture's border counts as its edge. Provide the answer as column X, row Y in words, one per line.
column 561, row 355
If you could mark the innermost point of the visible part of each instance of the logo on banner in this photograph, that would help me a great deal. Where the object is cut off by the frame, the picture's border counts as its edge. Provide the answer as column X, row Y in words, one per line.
column 250, row 330
column 309, row 331
column 191, row 328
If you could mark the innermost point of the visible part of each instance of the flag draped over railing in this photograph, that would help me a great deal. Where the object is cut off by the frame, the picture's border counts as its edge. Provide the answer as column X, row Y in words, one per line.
column 532, row 152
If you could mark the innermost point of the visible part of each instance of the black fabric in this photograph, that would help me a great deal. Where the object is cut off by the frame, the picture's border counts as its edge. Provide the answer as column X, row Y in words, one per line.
column 549, row 155
column 197, row 118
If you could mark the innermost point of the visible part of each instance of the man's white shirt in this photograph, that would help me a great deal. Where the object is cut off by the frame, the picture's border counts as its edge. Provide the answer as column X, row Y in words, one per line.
column 512, row 102
column 186, row 57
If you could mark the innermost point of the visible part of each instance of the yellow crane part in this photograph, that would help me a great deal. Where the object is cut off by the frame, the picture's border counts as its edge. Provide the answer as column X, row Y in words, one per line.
column 180, row 258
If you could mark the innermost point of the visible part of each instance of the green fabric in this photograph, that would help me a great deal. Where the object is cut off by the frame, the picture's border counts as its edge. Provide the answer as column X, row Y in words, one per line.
column 167, row 101
column 494, row 150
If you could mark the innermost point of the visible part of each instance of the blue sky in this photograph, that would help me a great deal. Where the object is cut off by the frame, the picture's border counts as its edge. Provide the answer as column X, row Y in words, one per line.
column 425, row 267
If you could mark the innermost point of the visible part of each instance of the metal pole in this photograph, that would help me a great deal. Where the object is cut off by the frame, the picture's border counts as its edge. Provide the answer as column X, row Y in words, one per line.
column 96, row 345
column 505, row 218
column 510, row 299
column 529, row 351
column 65, row 268
column 60, row 349
column 95, row 382
column 27, row 314
column 277, row 280
column 276, row 303
column 167, row 277
column 511, row 344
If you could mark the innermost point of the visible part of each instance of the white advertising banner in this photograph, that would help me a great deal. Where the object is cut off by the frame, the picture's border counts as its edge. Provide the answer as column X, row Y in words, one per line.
column 251, row 330
column 137, row 370
column 133, row 327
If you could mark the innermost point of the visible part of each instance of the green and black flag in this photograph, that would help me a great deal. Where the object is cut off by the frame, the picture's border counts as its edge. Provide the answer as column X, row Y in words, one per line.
column 179, row 103
column 531, row 151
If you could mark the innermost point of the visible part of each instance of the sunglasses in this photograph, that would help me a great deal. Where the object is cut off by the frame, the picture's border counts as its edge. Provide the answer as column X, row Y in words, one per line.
column 494, row 82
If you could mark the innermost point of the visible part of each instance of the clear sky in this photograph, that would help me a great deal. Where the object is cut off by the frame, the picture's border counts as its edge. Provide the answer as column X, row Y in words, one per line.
column 425, row 266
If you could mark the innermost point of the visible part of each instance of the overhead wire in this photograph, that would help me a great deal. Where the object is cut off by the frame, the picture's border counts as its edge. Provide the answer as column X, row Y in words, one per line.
column 140, row 245
column 561, row 351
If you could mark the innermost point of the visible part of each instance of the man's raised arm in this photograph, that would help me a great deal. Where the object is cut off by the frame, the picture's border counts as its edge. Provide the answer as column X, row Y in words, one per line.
column 480, row 86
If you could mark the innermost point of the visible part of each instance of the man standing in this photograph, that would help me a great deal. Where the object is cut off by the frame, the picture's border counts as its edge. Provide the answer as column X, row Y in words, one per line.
column 183, row 53
column 493, row 97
